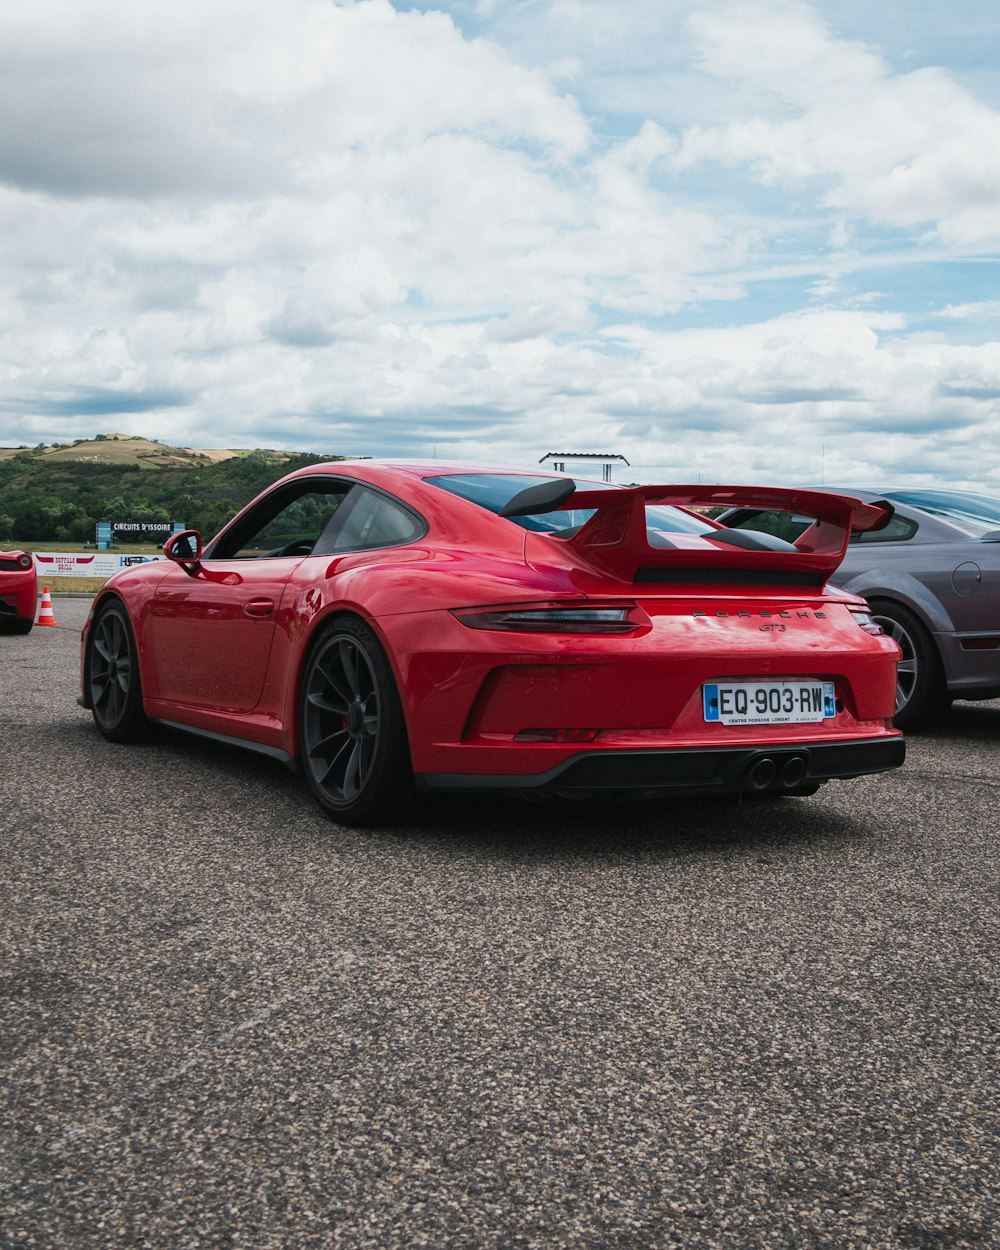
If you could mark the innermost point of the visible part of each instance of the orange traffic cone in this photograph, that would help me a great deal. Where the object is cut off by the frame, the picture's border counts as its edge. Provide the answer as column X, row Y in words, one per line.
column 45, row 614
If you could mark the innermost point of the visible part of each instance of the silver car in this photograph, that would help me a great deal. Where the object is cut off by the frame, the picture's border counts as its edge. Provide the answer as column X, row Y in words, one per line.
column 932, row 578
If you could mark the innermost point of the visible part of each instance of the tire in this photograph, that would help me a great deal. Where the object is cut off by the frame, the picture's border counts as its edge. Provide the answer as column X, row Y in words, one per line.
column 114, row 687
column 352, row 736
column 16, row 625
column 921, row 692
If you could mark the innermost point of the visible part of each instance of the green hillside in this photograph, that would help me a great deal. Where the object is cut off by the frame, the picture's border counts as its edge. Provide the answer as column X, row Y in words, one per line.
column 59, row 492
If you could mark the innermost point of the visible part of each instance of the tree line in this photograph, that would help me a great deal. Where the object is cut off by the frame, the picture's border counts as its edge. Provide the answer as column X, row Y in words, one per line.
column 44, row 501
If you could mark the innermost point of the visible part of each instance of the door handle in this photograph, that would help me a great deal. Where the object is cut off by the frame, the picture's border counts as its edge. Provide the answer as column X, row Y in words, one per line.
column 258, row 607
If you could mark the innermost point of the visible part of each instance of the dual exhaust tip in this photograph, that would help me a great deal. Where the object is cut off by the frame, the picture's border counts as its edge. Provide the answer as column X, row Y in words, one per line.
column 784, row 772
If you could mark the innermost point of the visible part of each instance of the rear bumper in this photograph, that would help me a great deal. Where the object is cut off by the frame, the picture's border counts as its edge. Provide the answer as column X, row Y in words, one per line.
column 18, row 601
column 718, row 770
column 971, row 674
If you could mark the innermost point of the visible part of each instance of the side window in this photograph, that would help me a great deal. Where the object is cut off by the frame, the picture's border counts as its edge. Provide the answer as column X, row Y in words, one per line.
column 287, row 523
column 898, row 530
column 368, row 520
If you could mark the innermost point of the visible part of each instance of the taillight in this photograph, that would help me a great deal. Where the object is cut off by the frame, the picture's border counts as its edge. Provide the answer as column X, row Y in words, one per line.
column 867, row 622
column 25, row 561
column 553, row 620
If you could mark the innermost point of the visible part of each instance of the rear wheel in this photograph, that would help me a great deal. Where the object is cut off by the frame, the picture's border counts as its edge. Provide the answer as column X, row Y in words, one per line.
column 113, row 684
column 352, row 735
column 921, row 692
column 16, row 625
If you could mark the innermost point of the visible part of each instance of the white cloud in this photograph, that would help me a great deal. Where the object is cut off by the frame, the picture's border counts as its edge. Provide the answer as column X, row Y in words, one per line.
column 347, row 227
column 972, row 311
column 219, row 97
column 903, row 149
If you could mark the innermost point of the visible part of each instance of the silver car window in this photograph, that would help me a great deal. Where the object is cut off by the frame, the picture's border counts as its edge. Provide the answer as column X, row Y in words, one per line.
column 974, row 515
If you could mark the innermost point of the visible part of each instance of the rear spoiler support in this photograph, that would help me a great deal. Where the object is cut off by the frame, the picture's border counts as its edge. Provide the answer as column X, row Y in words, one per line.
column 615, row 538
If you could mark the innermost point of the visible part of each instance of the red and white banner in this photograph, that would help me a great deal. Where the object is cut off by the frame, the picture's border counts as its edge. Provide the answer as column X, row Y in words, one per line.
column 76, row 564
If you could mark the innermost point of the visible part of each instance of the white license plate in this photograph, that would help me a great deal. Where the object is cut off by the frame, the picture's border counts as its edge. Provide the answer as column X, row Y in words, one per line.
column 769, row 702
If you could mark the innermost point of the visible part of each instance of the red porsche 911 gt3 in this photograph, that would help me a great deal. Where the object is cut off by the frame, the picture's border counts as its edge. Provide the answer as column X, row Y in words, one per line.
column 390, row 627
column 18, row 592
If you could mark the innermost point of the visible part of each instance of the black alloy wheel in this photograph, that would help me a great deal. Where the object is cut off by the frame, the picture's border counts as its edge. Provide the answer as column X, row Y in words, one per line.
column 921, row 693
column 113, row 683
column 353, row 746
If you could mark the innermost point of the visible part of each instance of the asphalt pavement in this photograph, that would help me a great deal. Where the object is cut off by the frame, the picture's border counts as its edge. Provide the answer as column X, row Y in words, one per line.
column 710, row 1025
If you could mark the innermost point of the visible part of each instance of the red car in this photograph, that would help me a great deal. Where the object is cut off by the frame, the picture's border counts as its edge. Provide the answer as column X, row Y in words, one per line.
column 18, row 592
column 385, row 627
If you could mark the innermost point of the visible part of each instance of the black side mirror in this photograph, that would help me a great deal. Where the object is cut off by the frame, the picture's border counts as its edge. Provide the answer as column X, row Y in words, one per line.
column 184, row 549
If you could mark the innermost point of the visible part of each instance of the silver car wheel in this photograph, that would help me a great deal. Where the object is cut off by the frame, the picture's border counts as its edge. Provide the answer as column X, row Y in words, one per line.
column 921, row 688
column 907, row 670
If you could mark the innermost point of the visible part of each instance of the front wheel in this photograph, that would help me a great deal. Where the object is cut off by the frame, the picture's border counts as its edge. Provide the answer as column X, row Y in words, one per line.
column 113, row 685
column 352, row 736
column 921, row 691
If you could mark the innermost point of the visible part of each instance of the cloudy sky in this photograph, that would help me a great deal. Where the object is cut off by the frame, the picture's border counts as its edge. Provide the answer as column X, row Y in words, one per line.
column 752, row 241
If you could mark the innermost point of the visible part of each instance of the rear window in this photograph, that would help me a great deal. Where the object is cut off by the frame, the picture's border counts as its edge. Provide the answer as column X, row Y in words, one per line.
column 790, row 526
column 493, row 491
column 786, row 525
column 974, row 515
column 899, row 529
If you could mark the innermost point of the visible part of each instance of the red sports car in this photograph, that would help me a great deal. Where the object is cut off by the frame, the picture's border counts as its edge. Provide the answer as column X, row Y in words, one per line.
column 391, row 627
column 18, row 592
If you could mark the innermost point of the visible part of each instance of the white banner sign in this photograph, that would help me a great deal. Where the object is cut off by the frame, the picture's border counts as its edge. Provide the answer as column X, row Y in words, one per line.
column 75, row 564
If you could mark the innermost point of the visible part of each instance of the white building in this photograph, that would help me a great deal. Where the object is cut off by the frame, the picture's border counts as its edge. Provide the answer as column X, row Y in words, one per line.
column 560, row 459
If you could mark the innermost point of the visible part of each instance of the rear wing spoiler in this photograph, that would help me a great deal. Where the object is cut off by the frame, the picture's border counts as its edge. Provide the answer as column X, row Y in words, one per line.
column 615, row 538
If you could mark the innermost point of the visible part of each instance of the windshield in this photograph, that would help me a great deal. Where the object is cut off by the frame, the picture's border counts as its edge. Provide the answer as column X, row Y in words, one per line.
column 494, row 491
column 975, row 515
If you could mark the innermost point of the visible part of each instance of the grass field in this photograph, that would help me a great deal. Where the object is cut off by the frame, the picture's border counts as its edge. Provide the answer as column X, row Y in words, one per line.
column 123, row 549
column 72, row 585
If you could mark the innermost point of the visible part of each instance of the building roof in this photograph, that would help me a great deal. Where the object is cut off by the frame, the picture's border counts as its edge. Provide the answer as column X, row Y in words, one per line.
column 582, row 455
